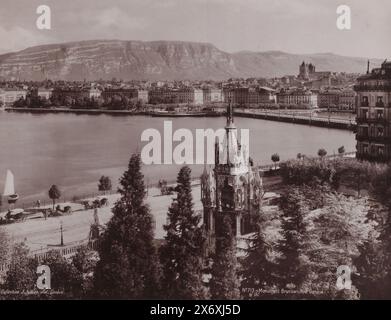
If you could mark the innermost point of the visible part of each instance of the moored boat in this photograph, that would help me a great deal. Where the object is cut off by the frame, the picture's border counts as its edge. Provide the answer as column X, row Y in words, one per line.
column 9, row 188
column 182, row 114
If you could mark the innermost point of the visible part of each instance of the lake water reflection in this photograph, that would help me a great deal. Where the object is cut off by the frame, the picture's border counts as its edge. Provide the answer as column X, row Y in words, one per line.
column 73, row 151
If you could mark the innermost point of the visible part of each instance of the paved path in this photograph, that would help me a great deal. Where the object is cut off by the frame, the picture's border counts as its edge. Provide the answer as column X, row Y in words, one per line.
column 42, row 234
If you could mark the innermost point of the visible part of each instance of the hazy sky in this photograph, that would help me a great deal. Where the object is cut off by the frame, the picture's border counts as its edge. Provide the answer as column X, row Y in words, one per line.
column 296, row 26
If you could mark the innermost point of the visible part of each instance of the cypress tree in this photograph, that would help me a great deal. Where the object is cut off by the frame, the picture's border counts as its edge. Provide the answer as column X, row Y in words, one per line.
column 291, row 268
column 257, row 268
column 371, row 265
column 225, row 282
column 128, row 266
column 183, row 250
column 386, row 239
column 4, row 244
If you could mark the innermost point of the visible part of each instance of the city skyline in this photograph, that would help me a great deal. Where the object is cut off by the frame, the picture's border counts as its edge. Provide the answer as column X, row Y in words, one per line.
column 299, row 26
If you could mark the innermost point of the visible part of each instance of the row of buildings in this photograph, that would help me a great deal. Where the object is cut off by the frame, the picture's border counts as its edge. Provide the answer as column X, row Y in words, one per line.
column 336, row 98
column 371, row 99
column 288, row 92
column 9, row 95
column 374, row 114
column 301, row 98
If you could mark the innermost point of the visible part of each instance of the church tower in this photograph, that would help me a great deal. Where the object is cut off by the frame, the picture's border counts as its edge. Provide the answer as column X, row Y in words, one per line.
column 233, row 187
column 303, row 71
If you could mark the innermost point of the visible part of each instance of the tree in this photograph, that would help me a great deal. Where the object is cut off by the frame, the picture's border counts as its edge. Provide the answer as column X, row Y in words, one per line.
column 356, row 175
column 21, row 275
column 182, row 253
column 307, row 170
column 322, row 153
column 341, row 229
column 257, row 267
column 104, row 184
column 275, row 159
column 386, row 237
column 224, row 283
column 128, row 265
column 4, row 246
column 382, row 191
column 292, row 269
column 372, row 268
column 62, row 272
column 326, row 230
column 54, row 194
column 84, row 262
column 337, row 231
column 68, row 101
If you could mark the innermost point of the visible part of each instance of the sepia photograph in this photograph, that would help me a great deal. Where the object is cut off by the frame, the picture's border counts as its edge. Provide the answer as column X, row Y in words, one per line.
column 188, row 151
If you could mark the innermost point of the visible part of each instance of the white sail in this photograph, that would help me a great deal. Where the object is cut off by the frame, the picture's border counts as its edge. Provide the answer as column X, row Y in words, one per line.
column 9, row 188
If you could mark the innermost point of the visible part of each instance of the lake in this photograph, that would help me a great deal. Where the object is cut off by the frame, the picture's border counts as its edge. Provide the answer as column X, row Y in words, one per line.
column 73, row 151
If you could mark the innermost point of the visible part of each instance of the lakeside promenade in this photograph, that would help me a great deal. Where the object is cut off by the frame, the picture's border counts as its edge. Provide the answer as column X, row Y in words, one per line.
column 289, row 116
column 292, row 117
column 43, row 235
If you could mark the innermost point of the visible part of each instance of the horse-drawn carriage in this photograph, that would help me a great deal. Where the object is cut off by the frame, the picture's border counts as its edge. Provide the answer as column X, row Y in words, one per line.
column 97, row 203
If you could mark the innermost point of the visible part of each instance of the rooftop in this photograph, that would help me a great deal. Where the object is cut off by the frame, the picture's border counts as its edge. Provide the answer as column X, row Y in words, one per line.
column 382, row 73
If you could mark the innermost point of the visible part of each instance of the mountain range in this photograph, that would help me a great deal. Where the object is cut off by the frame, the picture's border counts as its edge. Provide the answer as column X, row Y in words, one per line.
column 159, row 60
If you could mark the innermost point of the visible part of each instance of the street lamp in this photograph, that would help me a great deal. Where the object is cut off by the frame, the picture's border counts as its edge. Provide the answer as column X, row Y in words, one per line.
column 62, row 235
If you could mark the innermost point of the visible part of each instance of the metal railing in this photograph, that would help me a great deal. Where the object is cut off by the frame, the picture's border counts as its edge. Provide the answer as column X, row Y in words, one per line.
column 68, row 251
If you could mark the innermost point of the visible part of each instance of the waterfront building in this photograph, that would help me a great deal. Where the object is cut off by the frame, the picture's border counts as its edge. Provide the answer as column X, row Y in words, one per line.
column 130, row 93
column 1, row 98
column 142, row 95
column 75, row 93
column 189, row 95
column 232, row 188
column 227, row 94
column 319, row 83
column 337, row 99
column 45, row 93
column 329, row 98
column 94, row 93
column 297, row 98
column 109, row 93
column 374, row 114
column 185, row 95
column 241, row 96
column 347, row 100
column 212, row 95
column 198, row 97
column 9, row 95
column 250, row 96
column 161, row 95
column 267, row 96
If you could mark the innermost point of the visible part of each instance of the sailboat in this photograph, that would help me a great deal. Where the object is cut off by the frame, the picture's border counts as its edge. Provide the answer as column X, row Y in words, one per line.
column 9, row 188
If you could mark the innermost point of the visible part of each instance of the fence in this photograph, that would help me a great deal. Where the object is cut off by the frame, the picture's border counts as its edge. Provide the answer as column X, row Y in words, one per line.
column 65, row 252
